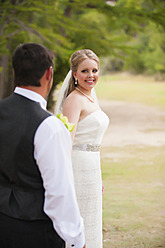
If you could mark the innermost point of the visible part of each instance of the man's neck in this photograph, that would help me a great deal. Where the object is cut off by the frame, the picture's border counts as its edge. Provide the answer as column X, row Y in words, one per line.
column 36, row 89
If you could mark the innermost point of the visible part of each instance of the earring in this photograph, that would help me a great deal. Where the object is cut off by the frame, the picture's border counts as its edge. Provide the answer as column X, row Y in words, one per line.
column 75, row 82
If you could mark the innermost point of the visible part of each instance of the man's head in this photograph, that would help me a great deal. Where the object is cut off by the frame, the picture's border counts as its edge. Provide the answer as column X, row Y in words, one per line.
column 30, row 61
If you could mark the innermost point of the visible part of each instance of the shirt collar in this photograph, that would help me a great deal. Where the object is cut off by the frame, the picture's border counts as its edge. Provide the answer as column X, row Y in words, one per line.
column 32, row 96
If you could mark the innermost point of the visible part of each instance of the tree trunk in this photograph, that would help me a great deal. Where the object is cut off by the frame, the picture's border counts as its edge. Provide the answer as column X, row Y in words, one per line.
column 3, row 75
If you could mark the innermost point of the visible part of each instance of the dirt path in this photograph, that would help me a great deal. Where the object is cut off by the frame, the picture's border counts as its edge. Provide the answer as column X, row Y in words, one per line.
column 133, row 124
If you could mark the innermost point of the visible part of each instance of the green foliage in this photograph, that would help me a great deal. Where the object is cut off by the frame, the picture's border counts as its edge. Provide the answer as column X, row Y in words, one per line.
column 67, row 25
column 150, row 51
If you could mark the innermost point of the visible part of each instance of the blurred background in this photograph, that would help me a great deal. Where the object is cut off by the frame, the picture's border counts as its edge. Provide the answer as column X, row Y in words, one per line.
column 129, row 38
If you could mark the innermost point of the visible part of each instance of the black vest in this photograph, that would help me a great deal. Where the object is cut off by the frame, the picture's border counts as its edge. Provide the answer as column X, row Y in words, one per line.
column 21, row 185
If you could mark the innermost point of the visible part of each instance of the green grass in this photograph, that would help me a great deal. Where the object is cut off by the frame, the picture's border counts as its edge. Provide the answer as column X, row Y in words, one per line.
column 131, row 88
column 134, row 176
column 134, row 198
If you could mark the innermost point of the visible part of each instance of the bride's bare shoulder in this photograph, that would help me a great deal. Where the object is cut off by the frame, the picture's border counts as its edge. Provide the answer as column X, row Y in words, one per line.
column 72, row 103
column 74, row 97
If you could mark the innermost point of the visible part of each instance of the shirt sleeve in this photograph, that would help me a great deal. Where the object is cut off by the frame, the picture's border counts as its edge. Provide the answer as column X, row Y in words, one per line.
column 52, row 151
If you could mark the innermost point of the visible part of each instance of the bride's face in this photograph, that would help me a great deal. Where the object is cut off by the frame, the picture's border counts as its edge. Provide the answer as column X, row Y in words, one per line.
column 87, row 74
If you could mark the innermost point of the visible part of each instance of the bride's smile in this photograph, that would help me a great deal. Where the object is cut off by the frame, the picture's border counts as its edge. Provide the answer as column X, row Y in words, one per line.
column 87, row 75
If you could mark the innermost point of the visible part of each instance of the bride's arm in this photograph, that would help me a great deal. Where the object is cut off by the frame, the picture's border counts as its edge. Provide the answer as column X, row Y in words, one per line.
column 72, row 109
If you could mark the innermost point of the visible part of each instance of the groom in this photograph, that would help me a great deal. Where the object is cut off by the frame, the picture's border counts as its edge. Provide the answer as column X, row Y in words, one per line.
column 38, row 206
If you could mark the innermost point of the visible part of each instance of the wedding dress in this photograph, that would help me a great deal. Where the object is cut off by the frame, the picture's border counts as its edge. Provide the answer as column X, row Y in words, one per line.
column 87, row 174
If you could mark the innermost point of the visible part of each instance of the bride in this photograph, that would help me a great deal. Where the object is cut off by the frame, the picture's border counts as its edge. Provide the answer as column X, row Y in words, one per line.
column 78, row 101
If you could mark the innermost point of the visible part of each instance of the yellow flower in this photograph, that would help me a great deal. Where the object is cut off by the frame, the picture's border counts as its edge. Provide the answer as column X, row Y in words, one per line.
column 64, row 119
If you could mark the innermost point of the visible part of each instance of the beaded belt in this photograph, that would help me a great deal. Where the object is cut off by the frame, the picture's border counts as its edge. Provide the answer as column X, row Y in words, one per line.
column 87, row 147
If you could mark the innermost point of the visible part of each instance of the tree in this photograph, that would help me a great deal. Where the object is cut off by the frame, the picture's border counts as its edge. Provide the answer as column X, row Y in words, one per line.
column 28, row 21
column 67, row 25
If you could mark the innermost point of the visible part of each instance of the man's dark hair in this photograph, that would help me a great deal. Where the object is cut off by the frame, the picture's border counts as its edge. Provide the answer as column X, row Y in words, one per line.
column 30, row 61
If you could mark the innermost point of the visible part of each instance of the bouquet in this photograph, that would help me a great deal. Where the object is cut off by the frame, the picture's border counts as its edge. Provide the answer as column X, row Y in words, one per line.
column 64, row 119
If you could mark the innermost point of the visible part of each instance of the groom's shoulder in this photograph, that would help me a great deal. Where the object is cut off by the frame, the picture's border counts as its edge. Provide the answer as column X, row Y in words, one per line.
column 5, row 100
column 55, row 124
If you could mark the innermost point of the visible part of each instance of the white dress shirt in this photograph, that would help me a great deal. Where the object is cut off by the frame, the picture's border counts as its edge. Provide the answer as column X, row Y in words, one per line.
column 52, row 151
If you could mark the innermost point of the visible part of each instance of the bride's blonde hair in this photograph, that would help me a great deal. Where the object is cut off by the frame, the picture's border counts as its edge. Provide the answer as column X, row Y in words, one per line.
column 69, row 82
column 76, row 58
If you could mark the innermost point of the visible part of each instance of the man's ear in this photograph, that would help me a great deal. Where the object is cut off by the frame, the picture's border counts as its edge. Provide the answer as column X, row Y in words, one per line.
column 48, row 73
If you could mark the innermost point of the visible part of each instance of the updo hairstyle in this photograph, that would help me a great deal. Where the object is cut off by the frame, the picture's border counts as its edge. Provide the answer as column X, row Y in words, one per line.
column 76, row 58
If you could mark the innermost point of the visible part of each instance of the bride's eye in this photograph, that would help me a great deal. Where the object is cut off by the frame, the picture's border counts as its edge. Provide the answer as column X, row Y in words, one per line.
column 84, row 71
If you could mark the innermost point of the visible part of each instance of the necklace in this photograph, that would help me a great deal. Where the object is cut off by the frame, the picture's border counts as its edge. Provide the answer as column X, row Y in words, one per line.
column 90, row 98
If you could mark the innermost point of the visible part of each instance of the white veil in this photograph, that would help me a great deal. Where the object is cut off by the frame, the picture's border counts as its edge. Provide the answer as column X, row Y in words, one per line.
column 64, row 91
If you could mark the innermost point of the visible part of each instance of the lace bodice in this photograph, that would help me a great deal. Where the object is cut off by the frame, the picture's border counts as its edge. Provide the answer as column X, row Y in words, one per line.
column 91, row 129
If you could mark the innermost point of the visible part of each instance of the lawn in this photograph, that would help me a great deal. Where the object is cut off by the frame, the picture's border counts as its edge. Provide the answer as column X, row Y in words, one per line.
column 134, row 176
column 131, row 88
column 134, row 198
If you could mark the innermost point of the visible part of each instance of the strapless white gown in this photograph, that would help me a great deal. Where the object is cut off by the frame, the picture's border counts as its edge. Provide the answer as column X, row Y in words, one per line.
column 87, row 174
